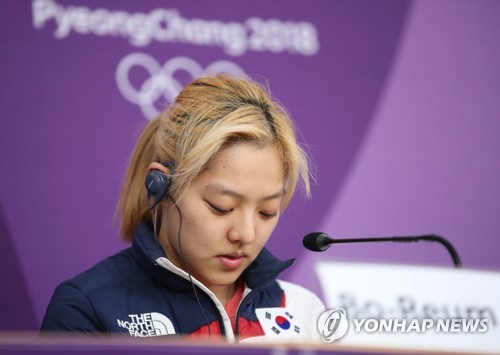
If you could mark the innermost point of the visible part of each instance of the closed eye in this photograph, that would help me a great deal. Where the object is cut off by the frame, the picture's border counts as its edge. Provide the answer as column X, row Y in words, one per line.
column 268, row 215
column 218, row 210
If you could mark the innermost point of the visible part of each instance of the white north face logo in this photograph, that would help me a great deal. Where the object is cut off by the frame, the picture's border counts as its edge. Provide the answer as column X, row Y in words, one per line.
column 147, row 325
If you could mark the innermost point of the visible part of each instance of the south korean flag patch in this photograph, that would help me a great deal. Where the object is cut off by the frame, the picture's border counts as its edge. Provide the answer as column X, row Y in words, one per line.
column 279, row 322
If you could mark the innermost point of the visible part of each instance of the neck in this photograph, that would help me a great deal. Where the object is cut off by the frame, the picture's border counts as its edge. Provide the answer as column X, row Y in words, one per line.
column 224, row 293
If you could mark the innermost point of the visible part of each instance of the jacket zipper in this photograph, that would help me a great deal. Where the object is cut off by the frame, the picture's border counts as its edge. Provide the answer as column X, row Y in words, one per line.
column 167, row 264
column 247, row 297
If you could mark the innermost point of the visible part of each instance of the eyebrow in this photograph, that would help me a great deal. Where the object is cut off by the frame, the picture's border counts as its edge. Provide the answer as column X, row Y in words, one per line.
column 224, row 190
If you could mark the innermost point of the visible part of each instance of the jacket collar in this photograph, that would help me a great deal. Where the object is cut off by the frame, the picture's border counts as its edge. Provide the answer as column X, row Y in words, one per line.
column 262, row 271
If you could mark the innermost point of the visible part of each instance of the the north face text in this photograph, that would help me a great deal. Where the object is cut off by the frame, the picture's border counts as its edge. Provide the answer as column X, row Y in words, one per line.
column 147, row 325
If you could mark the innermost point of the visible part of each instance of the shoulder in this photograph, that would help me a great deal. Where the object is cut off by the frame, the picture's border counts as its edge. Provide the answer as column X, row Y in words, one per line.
column 73, row 304
column 299, row 295
column 115, row 271
column 303, row 303
column 70, row 309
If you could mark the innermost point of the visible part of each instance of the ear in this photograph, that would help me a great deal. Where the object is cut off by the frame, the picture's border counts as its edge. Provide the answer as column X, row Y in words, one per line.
column 158, row 166
column 158, row 180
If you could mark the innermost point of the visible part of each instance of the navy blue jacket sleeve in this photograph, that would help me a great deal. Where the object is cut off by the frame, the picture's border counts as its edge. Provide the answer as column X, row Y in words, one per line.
column 70, row 310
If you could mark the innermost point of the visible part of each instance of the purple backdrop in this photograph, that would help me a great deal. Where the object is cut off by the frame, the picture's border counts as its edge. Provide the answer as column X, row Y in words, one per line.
column 396, row 100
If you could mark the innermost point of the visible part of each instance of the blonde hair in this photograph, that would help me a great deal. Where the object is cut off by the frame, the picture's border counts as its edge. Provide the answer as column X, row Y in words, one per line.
column 209, row 114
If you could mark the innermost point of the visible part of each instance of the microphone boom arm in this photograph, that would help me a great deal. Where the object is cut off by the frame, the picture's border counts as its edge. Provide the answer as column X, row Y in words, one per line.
column 323, row 242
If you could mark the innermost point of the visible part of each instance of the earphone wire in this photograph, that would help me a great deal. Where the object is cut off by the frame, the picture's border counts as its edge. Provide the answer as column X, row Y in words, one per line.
column 187, row 267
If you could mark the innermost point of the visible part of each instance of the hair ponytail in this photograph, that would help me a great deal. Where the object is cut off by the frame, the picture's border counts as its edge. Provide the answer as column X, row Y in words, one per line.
column 132, row 204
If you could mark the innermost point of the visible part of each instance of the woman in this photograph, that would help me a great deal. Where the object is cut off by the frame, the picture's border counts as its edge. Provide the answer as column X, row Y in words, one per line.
column 220, row 166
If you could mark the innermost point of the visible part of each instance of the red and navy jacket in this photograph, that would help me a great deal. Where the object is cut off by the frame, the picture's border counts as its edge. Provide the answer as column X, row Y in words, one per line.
column 140, row 292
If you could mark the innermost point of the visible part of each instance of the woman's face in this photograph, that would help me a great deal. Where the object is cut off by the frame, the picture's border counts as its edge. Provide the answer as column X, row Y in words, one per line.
column 228, row 214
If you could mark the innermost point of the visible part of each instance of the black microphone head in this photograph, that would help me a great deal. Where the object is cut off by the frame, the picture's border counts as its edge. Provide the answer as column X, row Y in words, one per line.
column 316, row 241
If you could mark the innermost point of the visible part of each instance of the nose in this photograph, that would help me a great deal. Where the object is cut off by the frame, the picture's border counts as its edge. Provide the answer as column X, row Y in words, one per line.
column 242, row 229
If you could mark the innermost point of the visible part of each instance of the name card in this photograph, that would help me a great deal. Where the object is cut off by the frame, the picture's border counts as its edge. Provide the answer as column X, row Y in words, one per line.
column 414, row 307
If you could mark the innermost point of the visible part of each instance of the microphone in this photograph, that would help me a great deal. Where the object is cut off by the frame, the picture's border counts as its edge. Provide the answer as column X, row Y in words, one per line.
column 318, row 241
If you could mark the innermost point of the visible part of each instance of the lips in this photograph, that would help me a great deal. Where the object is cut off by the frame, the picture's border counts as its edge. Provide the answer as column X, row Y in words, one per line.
column 231, row 261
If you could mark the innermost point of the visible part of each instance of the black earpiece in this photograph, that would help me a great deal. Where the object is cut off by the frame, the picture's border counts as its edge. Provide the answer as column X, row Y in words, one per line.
column 158, row 183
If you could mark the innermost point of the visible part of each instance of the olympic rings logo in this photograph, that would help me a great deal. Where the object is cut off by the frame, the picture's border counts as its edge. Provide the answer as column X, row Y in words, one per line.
column 161, row 80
